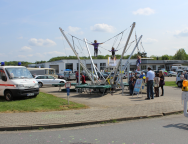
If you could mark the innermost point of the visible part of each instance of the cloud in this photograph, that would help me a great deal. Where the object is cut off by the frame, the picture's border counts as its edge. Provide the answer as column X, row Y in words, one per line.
column 150, row 40
column 103, row 28
column 21, row 56
column 30, row 55
column 144, row 11
column 20, row 37
column 75, row 30
column 54, row 53
column 26, row 48
column 182, row 33
column 41, row 42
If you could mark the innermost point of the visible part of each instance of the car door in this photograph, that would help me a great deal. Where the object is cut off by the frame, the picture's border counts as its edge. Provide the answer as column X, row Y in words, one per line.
column 3, row 84
column 51, row 80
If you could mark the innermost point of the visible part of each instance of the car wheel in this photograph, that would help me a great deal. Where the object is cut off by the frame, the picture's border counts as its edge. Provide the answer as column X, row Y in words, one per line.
column 179, row 84
column 61, row 81
column 40, row 84
column 8, row 96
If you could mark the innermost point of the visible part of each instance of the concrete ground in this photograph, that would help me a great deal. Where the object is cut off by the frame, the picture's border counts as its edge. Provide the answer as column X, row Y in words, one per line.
column 102, row 108
column 164, row 130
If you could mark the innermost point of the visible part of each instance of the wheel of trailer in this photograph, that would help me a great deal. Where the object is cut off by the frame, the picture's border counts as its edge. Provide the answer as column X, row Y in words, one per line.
column 103, row 91
column 8, row 96
column 40, row 84
column 179, row 84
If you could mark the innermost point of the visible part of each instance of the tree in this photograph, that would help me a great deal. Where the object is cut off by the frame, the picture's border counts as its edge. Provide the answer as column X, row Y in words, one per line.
column 180, row 55
column 165, row 57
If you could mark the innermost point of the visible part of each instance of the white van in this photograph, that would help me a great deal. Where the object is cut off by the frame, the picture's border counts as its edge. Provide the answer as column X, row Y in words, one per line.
column 17, row 81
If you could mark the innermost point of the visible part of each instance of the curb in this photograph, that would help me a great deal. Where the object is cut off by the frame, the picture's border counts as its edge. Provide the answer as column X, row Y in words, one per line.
column 83, row 123
column 170, row 113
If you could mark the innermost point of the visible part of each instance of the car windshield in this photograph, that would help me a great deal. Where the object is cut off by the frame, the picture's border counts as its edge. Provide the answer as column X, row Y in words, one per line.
column 18, row 73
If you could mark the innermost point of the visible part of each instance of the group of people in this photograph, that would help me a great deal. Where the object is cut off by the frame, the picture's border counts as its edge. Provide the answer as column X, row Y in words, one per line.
column 153, row 79
column 96, row 45
column 83, row 79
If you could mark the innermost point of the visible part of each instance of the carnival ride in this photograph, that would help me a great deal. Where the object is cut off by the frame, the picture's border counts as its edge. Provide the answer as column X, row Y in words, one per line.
column 111, row 82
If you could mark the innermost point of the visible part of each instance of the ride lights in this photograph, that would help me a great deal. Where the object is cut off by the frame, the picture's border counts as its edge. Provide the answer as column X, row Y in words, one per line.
column 2, row 63
column 19, row 85
column 19, row 63
column 185, row 85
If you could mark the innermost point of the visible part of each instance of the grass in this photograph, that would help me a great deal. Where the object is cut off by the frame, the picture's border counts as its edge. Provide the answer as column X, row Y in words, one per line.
column 171, row 83
column 42, row 103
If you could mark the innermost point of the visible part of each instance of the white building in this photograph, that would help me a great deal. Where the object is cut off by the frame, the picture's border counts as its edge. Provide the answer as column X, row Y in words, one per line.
column 61, row 65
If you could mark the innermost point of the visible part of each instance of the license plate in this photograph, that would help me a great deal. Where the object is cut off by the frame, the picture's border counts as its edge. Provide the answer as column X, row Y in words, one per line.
column 30, row 94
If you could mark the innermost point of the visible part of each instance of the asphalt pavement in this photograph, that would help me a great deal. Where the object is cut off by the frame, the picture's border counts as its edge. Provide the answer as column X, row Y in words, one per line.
column 165, row 130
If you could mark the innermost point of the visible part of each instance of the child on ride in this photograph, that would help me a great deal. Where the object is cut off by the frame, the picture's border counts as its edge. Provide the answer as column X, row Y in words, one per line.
column 113, row 52
column 138, row 62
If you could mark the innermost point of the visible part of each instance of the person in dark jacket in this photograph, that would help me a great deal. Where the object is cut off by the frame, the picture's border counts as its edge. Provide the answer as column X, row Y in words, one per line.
column 185, row 75
column 131, row 85
column 161, row 83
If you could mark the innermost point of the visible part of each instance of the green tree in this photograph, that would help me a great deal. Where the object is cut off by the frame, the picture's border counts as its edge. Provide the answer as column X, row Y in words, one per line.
column 165, row 57
column 180, row 55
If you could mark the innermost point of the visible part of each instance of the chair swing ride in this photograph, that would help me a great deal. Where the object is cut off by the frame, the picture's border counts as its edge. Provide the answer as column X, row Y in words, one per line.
column 111, row 82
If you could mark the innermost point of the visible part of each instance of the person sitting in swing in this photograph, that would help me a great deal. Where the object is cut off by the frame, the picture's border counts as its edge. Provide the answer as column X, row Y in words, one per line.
column 113, row 52
column 138, row 62
column 96, row 45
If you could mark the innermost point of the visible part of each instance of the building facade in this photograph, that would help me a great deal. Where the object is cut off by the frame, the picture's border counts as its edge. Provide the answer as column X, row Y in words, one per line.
column 101, row 64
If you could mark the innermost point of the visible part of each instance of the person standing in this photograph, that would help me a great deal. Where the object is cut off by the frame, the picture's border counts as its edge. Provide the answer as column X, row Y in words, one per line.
column 83, row 79
column 185, row 75
column 96, row 45
column 162, row 83
column 156, row 86
column 77, row 76
column 131, row 85
column 149, row 80
column 136, row 76
column 182, row 76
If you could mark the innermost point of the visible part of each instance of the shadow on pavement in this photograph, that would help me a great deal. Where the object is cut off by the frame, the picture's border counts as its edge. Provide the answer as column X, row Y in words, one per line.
column 179, row 125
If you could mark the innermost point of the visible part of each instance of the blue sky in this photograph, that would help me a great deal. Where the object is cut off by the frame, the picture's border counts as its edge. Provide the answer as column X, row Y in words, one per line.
column 29, row 29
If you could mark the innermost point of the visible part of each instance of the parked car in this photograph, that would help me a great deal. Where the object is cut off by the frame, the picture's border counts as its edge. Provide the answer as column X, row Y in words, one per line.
column 171, row 73
column 178, row 80
column 70, row 76
column 46, row 80
column 60, row 76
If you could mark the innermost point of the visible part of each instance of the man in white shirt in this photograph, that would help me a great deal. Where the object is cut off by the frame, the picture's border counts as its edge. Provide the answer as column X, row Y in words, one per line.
column 149, row 80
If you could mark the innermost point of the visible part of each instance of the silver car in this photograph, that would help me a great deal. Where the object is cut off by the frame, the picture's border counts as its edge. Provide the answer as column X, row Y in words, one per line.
column 70, row 76
column 47, row 80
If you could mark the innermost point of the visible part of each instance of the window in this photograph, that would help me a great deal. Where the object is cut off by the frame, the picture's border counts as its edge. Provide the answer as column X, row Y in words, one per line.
column 2, row 73
column 102, row 66
column 69, row 66
column 41, row 77
column 50, row 77
column 51, row 72
column 161, row 66
column 80, row 67
column 143, row 67
column 154, row 67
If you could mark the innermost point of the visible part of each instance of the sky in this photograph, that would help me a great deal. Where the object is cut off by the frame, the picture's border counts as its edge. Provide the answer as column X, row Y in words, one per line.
column 29, row 29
